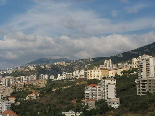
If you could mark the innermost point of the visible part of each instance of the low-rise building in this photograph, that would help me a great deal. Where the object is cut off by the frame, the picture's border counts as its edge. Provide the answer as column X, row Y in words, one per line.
column 72, row 113
column 11, row 99
column 32, row 96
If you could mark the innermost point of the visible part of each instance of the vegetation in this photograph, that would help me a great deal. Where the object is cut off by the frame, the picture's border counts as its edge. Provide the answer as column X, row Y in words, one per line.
column 56, row 97
column 65, row 95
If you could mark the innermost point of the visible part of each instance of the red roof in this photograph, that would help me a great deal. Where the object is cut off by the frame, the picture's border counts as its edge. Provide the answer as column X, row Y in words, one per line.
column 10, row 112
column 91, row 100
column 92, row 85
column 36, row 93
column 12, row 97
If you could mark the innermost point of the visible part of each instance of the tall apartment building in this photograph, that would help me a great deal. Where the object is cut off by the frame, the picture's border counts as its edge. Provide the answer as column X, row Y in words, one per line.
column 108, row 64
column 97, row 73
column 106, row 89
column 146, row 75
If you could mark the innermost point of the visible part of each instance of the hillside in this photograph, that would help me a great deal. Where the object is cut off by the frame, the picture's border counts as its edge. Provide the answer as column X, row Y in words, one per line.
column 125, row 56
column 48, row 60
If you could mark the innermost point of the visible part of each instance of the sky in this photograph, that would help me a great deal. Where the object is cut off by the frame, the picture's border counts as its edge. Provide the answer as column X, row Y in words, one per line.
column 74, row 29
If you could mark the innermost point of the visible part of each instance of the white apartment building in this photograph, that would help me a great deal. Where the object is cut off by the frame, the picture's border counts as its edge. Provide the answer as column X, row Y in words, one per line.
column 146, row 75
column 108, row 64
column 109, row 88
column 7, row 81
column 78, row 74
column 51, row 77
column 4, row 105
column 106, row 89
column 64, row 75
column 43, row 76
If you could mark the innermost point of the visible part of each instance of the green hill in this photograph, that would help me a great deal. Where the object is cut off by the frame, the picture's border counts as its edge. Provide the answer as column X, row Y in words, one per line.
column 48, row 60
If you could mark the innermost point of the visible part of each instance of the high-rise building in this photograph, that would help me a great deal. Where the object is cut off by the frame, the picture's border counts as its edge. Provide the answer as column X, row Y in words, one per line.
column 146, row 75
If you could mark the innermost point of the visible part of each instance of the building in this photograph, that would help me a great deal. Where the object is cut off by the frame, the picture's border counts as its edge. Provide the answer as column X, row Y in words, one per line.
column 72, row 113
column 113, row 102
column 93, row 91
column 117, row 71
column 91, row 103
column 109, row 88
column 108, row 64
column 64, row 75
column 106, row 89
column 79, row 74
column 8, row 113
column 97, row 73
column 11, row 99
column 4, row 105
column 146, row 75
column 135, row 63
column 43, row 76
column 32, row 96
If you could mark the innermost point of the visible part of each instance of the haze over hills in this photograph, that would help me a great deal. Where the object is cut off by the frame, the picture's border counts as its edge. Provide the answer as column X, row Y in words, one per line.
column 125, row 56
column 48, row 60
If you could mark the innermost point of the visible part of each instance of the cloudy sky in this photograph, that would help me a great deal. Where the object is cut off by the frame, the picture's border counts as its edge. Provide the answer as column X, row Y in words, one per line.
column 32, row 29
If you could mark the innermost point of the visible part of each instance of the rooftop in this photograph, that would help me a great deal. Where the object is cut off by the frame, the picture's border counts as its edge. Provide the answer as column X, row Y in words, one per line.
column 10, row 112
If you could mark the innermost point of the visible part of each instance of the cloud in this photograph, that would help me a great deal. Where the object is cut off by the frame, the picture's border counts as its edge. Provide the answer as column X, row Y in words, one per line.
column 54, row 18
column 18, row 48
column 125, row 1
column 136, row 8
column 153, row 25
column 114, row 13
column 2, row 2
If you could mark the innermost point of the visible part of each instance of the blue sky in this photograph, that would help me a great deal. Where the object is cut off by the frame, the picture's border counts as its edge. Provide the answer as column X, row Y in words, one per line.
column 30, row 29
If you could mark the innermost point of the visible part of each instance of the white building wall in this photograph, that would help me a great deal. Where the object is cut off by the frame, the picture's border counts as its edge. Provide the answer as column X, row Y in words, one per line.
column 111, row 91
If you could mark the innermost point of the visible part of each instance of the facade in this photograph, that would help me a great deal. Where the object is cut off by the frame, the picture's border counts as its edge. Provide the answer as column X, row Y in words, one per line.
column 91, row 103
column 108, row 64
column 4, row 105
column 97, row 73
column 78, row 74
column 146, row 75
column 113, row 102
column 117, row 71
column 93, row 91
column 135, row 63
column 64, row 75
column 43, row 76
column 109, row 88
